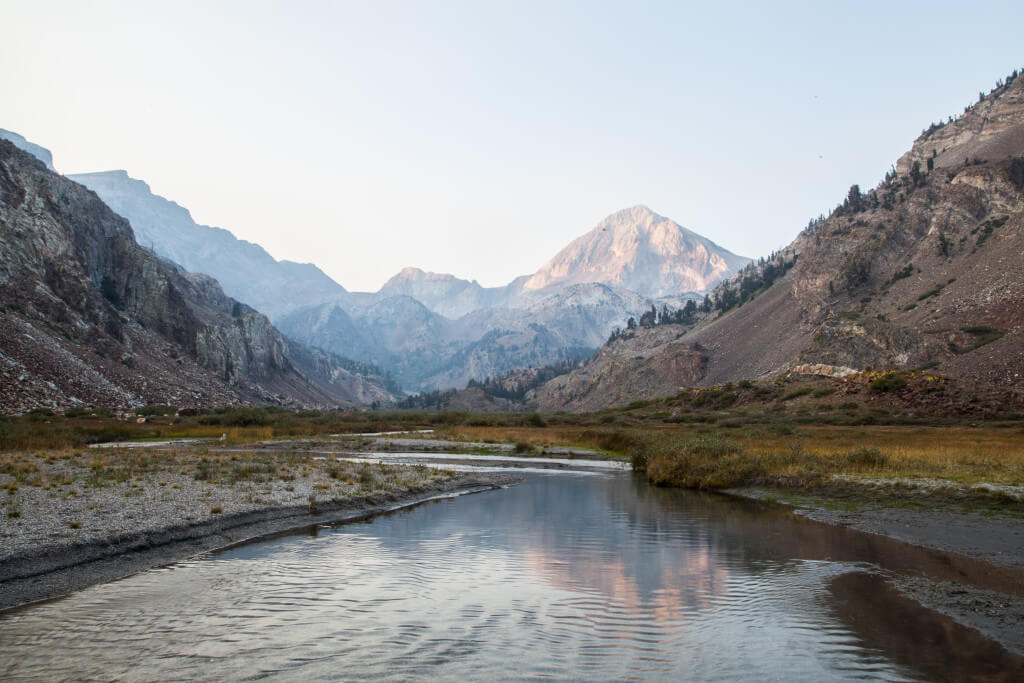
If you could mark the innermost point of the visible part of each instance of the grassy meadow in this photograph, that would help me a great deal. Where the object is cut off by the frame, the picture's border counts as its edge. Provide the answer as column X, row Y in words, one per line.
column 805, row 436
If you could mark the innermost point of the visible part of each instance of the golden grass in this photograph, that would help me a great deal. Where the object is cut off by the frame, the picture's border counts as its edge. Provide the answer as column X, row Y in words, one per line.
column 960, row 454
column 779, row 451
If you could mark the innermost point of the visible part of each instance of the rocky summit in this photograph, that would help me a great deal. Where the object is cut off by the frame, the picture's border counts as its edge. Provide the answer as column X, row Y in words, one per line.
column 638, row 250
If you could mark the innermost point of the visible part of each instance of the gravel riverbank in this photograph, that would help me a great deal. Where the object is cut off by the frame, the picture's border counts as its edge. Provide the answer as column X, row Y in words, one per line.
column 73, row 519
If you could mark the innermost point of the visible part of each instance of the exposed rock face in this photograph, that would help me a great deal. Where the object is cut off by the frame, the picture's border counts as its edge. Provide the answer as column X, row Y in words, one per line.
column 89, row 317
column 244, row 270
column 638, row 250
column 993, row 129
column 927, row 268
column 35, row 150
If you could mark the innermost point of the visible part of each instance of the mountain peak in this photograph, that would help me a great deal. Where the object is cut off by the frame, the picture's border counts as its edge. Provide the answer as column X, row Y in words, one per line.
column 640, row 250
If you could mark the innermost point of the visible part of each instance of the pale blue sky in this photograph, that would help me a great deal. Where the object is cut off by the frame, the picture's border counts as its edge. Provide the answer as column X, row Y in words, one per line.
column 478, row 138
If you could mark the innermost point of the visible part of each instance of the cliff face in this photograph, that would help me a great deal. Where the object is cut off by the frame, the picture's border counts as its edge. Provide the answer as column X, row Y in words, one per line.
column 35, row 150
column 89, row 317
column 925, row 269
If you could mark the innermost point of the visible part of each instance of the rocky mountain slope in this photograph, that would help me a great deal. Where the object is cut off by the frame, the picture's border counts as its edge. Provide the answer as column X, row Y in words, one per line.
column 245, row 270
column 638, row 250
column 88, row 317
column 35, row 150
column 925, row 270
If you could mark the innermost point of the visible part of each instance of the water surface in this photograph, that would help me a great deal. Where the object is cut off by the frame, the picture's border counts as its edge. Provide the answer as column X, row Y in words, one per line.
column 594, row 576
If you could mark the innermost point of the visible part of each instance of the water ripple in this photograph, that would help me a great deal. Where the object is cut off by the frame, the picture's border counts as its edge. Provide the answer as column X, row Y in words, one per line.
column 561, row 577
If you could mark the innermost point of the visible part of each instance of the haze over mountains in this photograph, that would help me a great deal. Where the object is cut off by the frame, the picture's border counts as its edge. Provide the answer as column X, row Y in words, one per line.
column 432, row 330
column 926, row 270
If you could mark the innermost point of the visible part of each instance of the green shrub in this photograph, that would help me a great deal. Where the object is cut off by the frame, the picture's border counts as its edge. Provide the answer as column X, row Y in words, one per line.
column 534, row 420
column 890, row 381
column 237, row 417
column 983, row 334
column 725, row 399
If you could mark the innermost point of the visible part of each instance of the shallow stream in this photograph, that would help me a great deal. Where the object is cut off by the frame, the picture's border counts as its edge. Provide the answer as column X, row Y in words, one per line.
column 587, row 575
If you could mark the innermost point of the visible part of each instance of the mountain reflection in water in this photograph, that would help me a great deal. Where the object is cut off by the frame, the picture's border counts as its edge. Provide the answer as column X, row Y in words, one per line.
column 564, row 576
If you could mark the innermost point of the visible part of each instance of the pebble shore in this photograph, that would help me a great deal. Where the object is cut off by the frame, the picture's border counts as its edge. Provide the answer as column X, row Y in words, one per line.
column 67, row 514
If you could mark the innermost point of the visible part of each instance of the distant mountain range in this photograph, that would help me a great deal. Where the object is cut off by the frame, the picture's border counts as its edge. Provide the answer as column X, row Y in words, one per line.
column 924, row 272
column 432, row 330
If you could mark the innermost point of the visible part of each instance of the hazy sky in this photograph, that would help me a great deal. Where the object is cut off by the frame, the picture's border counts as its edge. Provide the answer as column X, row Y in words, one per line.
column 478, row 138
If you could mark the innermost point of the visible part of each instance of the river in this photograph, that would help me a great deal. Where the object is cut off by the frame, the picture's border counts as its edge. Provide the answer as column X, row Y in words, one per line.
column 583, row 575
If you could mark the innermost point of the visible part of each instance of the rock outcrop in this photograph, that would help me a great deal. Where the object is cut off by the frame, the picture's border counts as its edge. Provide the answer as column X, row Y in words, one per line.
column 637, row 364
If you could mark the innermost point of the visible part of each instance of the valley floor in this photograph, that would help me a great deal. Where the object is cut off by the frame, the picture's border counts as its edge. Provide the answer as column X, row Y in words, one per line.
column 77, row 517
